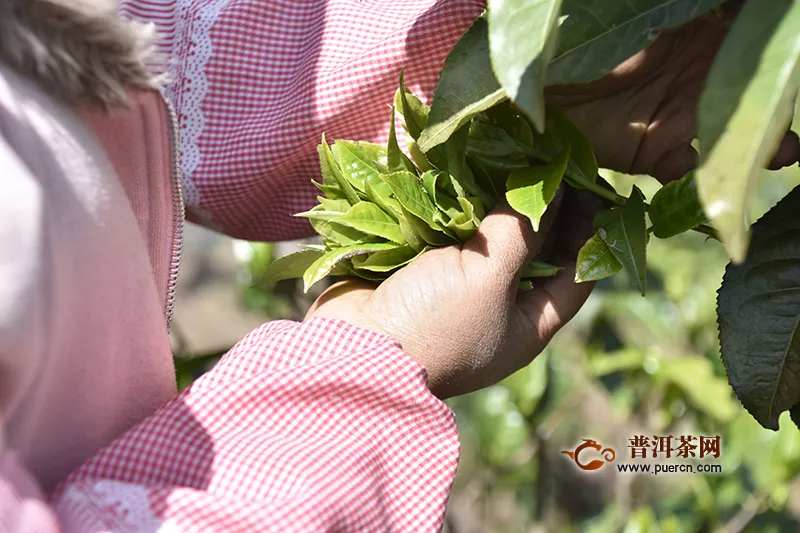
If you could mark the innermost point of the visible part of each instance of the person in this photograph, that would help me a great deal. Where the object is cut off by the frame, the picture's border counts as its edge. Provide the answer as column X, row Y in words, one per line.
column 332, row 424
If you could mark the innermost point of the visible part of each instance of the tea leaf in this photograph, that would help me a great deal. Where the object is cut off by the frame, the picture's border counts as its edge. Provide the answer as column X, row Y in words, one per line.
column 486, row 139
column 522, row 42
column 623, row 230
column 396, row 160
column 410, row 234
column 289, row 266
column 369, row 218
column 415, row 113
column 323, row 265
column 598, row 35
column 435, row 236
column 382, row 197
column 595, row 261
column 331, row 168
column 386, row 260
column 507, row 117
column 540, row 269
column 408, row 190
column 560, row 133
column 530, row 190
column 758, row 308
column 675, row 208
column 466, row 87
column 744, row 111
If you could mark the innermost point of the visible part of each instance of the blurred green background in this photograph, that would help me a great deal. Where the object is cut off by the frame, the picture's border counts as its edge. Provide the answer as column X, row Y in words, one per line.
column 625, row 366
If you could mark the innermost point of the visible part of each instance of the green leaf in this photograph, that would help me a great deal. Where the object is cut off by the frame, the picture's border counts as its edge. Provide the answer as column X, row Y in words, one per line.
column 675, row 208
column 408, row 190
column 598, row 35
column 623, row 230
column 522, row 39
column 758, row 309
column 595, row 261
column 326, row 263
column 368, row 218
column 466, row 87
column 361, row 163
column 744, row 111
column 540, row 269
column 493, row 141
column 506, row 116
column 560, row 133
column 415, row 113
column 396, row 160
column 531, row 190
column 386, row 260
column 331, row 169
column 333, row 192
column 410, row 234
column 289, row 266
column 435, row 235
column 382, row 197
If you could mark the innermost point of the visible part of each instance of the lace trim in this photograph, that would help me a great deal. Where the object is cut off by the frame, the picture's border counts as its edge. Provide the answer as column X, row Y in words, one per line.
column 120, row 506
column 193, row 29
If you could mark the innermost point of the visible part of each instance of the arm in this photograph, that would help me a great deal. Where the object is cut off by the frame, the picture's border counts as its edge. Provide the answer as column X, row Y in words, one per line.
column 319, row 426
column 256, row 84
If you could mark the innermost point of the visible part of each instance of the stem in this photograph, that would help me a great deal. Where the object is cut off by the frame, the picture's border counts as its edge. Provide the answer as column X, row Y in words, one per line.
column 707, row 230
column 605, row 193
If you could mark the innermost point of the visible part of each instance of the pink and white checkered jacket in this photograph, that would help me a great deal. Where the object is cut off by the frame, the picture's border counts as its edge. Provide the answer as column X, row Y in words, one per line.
column 316, row 426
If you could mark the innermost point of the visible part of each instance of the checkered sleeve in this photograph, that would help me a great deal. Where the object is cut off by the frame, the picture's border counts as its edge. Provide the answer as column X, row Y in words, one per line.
column 314, row 426
column 256, row 83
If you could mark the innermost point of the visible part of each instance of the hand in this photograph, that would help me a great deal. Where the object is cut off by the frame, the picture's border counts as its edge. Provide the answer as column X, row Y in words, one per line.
column 457, row 310
column 641, row 118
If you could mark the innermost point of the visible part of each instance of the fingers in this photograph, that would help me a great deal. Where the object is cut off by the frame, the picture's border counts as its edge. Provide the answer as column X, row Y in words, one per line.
column 505, row 241
column 676, row 163
column 554, row 301
column 788, row 152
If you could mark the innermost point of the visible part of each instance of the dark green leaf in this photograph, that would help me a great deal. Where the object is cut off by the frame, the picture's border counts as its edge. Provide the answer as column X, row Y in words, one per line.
column 466, row 87
column 595, row 261
column 522, row 39
column 326, row 263
column 675, row 208
column 744, row 111
column 289, row 266
column 530, row 190
column 758, row 308
column 623, row 230
column 368, row 218
column 560, row 133
column 598, row 35
column 506, row 116
column 493, row 141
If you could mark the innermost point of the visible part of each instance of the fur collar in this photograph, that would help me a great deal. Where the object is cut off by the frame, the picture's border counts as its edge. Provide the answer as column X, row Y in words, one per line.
column 78, row 50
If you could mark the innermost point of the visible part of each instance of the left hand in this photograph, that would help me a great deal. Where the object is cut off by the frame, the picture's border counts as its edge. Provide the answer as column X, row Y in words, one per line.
column 641, row 118
column 458, row 311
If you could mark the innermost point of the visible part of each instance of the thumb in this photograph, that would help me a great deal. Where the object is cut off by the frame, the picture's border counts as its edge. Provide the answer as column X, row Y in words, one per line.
column 505, row 241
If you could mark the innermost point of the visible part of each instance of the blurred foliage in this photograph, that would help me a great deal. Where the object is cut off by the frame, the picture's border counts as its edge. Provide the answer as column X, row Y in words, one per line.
column 626, row 365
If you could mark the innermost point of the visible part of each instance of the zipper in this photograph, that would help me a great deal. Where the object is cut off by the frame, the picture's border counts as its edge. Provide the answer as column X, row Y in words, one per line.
column 176, row 176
